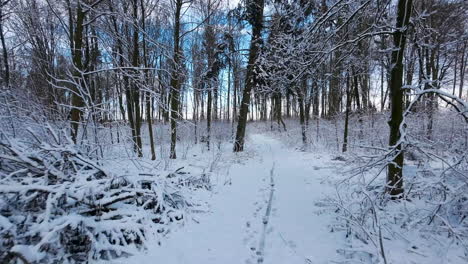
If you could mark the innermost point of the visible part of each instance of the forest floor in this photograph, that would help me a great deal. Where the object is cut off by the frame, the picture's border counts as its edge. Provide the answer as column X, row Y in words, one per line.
column 264, row 209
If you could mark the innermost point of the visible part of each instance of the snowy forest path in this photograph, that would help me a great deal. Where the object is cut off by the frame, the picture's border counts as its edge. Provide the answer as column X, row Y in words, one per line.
column 267, row 214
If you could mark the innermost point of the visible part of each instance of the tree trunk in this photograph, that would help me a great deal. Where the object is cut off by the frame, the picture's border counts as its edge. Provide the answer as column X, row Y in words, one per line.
column 463, row 64
column 4, row 47
column 431, row 97
column 175, row 89
column 228, row 100
column 76, row 98
column 277, row 110
column 135, row 88
column 333, row 95
column 316, row 101
column 251, row 78
column 300, row 100
column 455, row 71
column 209, row 115
column 382, row 100
column 394, row 184
column 148, row 94
column 348, row 109
column 324, row 102
column 356, row 90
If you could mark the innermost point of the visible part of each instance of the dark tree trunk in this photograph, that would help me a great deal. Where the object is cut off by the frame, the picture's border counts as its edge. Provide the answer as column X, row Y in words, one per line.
column 356, row 90
column 334, row 91
column 214, row 87
column 131, row 112
column 175, row 89
column 251, row 78
column 228, row 107
column 382, row 100
column 235, row 76
column 395, row 168
column 431, row 97
column 463, row 64
column 77, row 45
column 365, row 90
column 348, row 109
column 4, row 47
column 316, row 100
column 409, row 76
column 277, row 110
column 135, row 88
column 300, row 100
column 121, row 105
column 150, row 125
column 209, row 115
column 148, row 94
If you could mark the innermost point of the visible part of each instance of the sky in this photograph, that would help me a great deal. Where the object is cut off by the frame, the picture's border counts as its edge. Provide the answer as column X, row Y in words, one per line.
column 232, row 3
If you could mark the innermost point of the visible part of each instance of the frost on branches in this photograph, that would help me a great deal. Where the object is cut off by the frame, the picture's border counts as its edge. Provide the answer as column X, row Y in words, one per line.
column 57, row 205
column 431, row 218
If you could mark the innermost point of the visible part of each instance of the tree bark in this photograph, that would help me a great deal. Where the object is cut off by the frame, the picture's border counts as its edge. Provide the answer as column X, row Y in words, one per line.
column 348, row 109
column 175, row 82
column 148, row 94
column 463, row 64
column 300, row 100
column 209, row 115
column 251, row 78
column 333, row 94
column 394, row 184
column 135, row 88
column 77, row 45
column 4, row 47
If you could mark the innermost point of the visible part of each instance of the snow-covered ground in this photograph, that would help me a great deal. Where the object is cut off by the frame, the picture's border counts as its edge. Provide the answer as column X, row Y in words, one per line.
column 263, row 210
column 280, row 201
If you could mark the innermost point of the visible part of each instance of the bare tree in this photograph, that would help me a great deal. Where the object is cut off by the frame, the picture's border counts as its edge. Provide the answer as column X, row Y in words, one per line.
column 395, row 168
column 256, row 20
column 175, row 77
column 6, row 74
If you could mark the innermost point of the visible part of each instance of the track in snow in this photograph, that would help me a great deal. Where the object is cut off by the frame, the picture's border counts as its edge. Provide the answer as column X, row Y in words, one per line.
column 268, row 215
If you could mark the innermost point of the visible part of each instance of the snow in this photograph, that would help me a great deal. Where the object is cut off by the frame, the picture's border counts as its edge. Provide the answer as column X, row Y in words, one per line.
column 295, row 231
column 28, row 253
column 5, row 223
column 277, row 202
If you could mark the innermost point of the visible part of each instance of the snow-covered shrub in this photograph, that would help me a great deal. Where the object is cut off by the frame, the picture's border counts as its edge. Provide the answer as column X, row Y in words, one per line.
column 430, row 221
column 57, row 205
column 429, row 224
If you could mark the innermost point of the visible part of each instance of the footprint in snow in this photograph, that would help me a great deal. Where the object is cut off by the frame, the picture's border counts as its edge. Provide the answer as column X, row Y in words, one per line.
column 270, row 230
column 274, row 211
column 292, row 244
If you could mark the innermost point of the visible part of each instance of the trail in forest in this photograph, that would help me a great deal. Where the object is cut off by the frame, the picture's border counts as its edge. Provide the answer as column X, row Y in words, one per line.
column 267, row 215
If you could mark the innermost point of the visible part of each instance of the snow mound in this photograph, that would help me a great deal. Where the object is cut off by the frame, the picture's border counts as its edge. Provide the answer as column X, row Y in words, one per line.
column 57, row 205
